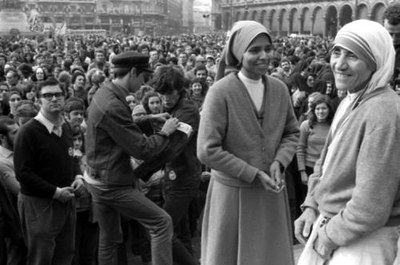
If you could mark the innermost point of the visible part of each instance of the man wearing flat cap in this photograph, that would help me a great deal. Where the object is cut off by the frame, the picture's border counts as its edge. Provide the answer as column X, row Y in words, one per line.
column 112, row 139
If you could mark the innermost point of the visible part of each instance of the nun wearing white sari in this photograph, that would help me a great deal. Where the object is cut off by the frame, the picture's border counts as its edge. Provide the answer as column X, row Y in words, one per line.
column 353, row 200
column 248, row 135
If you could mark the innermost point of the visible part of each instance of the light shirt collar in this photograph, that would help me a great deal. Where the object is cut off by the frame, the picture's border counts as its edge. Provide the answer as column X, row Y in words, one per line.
column 51, row 127
column 5, row 153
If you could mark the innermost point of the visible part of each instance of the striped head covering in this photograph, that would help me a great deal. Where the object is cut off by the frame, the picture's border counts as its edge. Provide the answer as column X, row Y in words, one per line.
column 242, row 34
column 371, row 42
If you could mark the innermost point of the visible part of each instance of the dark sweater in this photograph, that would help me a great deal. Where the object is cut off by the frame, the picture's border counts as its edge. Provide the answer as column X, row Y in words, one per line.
column 43, row 161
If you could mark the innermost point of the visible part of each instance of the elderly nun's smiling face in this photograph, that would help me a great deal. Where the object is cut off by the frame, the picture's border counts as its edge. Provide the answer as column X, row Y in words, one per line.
column 256, row 58
column 350, row 72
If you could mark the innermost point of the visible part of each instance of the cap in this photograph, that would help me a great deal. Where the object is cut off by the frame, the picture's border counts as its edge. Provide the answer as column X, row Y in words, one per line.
column 131, row 59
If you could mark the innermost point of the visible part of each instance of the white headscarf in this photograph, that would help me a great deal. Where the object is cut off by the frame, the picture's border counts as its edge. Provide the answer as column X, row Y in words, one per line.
column 242, row 34
column 370, row 41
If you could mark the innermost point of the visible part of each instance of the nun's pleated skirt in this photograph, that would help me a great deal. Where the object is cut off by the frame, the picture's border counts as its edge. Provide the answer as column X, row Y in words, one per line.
column 245, row 226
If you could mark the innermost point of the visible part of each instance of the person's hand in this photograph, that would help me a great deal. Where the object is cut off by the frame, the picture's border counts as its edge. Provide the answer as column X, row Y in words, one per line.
column 268, row 183
column 64, row 194
column 205, row 176
column 304, row 177
column 78, row 186
column 276, row 175
column 170, row 126
column 303, row 225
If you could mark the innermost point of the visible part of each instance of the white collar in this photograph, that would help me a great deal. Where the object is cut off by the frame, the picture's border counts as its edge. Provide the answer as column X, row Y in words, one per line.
column 48, row 124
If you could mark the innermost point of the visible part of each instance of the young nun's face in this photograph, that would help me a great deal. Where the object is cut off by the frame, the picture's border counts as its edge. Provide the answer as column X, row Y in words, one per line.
column 256, row 58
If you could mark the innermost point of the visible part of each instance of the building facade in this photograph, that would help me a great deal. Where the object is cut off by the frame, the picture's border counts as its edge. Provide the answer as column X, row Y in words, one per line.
column 152, row 17
column 317, row 17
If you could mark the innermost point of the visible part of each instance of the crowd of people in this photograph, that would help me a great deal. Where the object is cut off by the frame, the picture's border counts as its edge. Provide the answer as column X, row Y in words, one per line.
column 252, row 142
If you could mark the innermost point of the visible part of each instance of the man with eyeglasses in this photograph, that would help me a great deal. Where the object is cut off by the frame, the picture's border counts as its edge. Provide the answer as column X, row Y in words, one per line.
column 13, row 79
column 43, row 159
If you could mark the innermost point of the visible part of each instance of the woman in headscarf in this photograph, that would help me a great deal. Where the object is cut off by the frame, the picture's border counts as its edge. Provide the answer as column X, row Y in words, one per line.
column 248, row 135
column 355, row 187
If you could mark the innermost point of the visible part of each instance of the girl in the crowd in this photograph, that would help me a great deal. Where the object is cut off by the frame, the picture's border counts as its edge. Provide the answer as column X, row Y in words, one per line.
column 313, row 133
column 198, row 91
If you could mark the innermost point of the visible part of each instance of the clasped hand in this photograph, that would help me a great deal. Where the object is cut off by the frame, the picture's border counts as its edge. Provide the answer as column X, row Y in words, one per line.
column 275, row 182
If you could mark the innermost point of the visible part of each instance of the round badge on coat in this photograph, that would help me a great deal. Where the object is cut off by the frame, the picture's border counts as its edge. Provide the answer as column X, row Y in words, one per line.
column 172, row 175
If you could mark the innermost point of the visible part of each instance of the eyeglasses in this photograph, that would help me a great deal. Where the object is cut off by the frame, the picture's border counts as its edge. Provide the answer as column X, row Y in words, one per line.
column 50, row 96
column 15, row 99
column 3, row 90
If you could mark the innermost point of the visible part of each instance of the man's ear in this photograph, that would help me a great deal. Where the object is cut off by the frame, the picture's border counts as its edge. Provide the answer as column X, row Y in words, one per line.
column 66, row 116
column 133, row 72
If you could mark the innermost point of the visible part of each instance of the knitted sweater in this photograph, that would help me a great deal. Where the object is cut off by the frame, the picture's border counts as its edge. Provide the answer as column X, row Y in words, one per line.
column 359, row 188
column 231, row 140
column 311, row 143
column 43, row 161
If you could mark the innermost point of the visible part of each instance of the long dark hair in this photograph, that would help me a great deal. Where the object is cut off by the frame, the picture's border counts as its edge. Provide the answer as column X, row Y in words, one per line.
column 312, row 118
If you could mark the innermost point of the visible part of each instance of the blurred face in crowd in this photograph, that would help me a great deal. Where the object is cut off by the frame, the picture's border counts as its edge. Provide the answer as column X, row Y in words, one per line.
column 74, row 118
column 350, row 72
column 153, row 56
column 188, row 49
column 145, row 51
column 13, row 100
column 3, row 91
column 132, row 102
column 394, row 31
column 30, row 95
column 78, row 45
column 2, row 61
column 197, row 89
column 310, row 81
column 39, row 60
column 59, row 60
column 8, row 140
column 209, row 81
column 100, row 57
column 256, row 58
column 78, row 142
column 12, row 78
column 285, row 65
column 155, row 105
column 79, row 81
column 202, row 74
column 183, row 58
column 170, row 99
column 40, row 74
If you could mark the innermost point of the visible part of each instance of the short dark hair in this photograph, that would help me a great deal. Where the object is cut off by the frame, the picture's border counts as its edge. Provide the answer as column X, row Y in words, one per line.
column 74, row 103
column 204, row 86
column 26, row 109
column 392, row 14
column 167, row 78
column 200, row 68
column 5, row 121
column 51, row 81
column 76, row 74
